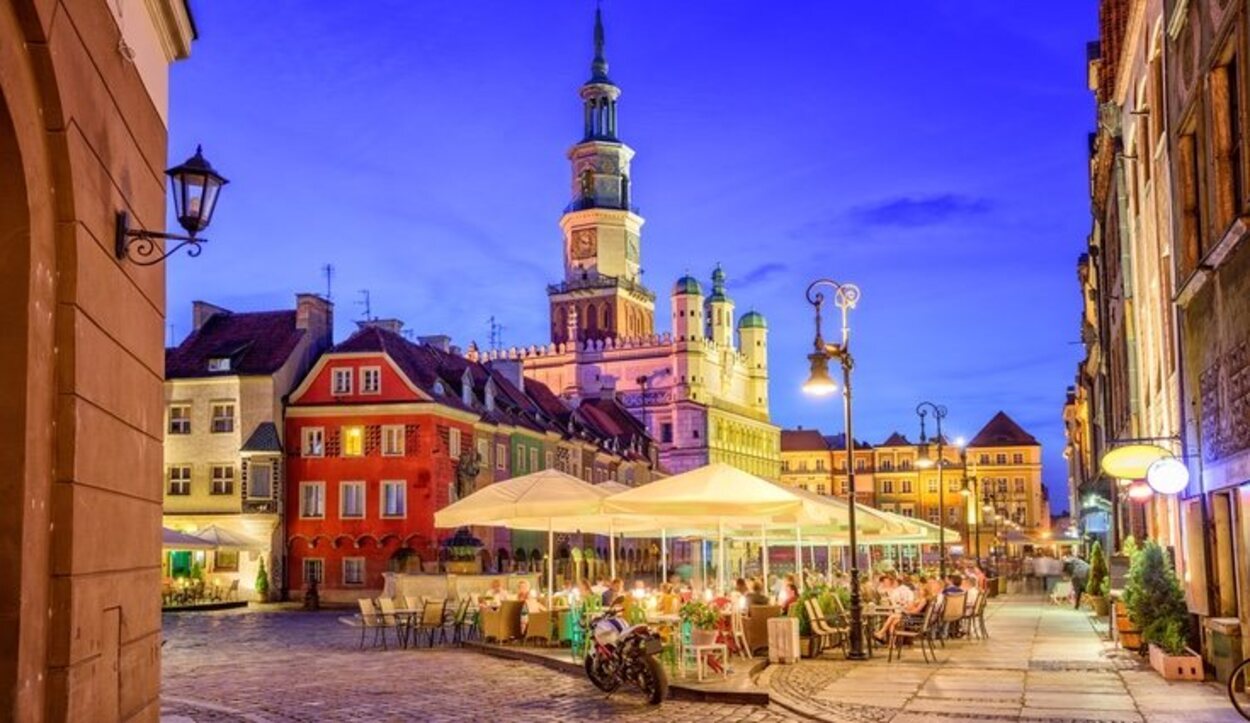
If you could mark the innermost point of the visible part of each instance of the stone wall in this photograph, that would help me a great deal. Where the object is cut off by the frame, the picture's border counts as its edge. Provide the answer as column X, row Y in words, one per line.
column 82, row 136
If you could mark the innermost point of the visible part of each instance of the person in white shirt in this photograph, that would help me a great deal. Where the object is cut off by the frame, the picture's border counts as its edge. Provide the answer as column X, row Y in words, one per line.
column 901, row 596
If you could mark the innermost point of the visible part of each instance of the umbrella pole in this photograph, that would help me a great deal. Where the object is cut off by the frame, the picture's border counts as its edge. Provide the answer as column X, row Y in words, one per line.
column 829, row 562
column 612, row 549
column 764, row 554
column 664, row 555
column 720, row 556
column 798, row 557
column 551, row 559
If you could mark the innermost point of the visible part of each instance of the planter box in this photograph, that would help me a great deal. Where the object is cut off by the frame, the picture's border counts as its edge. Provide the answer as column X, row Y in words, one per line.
column 1130, row 639
column 1176, row 667
column 1099, row 605
column 473, row 567
column 702, row 637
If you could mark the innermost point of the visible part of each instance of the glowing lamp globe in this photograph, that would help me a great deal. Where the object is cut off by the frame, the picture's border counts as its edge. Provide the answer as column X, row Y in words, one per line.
column 819, row 383
column 1168, row 476
column 1139, row 491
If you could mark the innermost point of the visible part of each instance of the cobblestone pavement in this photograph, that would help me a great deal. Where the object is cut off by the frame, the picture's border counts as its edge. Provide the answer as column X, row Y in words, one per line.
column 234, row 666
column 1042, row 663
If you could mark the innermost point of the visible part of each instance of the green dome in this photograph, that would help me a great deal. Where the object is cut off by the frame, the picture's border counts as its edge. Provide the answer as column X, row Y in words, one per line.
column 752, row 320
column 687, row 285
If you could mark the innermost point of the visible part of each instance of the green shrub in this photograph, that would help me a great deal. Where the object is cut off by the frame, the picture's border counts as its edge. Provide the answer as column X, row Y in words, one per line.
column 1155, row 601
column 262, row 581
column 1097, row 571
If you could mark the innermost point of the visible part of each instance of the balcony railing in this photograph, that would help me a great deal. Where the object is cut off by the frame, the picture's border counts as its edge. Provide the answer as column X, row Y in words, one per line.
column 600, row 281
column 582, row 203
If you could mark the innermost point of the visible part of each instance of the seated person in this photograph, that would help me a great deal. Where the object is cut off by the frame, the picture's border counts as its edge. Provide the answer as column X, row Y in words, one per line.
column 497, row 593
column 790, row 598
column 757, row 596
column 909, row 614
column 901, row 596
column 532, row 603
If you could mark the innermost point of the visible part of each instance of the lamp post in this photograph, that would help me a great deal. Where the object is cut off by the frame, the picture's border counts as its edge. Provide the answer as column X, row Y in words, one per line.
column 845, row 297
column 924, row 462
column 969, row 490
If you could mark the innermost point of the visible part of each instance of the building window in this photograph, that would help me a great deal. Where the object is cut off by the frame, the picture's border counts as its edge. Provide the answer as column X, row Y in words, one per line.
column 932, row 515
column 905, row 463
column 393, row 440
column 820, row 489
column 223, row 417
column 260, row 481
column 908, row 511
column 933, row 486
column 483, row 452
column 223, row 479
column 219, row 364
column 312, row 500
column 953, row 485
column 226, row 561
column 518, row 461
column 1019, row 482
column 341, row 381
column 549, row 460
column 453, row 443
column 353, row 571
column 666, row 432
column 952, row 515
column 533, row 460
column 906, row 486
column 1017, row 458
column 1000, row 459
column 180, row 419
column 1002, row 486
column 394, row 499
column 984, row 459
column 371, row 380
column 354, row 441
column 1226, row 103
column 887, row 465
column 351, row 500
column 887, row 487
column 314, row 569
column 180, row 480
column 314, row 442
column 501, row 456
column 859, row 465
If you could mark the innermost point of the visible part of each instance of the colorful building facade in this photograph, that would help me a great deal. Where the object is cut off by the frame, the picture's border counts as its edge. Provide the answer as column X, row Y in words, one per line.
column 224, row 464
column 385, row 431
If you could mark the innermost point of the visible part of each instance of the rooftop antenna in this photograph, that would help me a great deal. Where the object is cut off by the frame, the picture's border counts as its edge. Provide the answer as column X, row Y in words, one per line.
column 328, row 272
column 366, row 302
column 172, row 340
column 496, row 334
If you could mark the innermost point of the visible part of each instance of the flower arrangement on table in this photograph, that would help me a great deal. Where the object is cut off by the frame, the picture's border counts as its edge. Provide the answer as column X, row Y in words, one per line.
column 702, row 619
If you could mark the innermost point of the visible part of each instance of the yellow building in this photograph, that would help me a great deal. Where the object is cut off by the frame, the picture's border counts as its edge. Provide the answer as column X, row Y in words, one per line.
column 224, row 390
column 1007, row 463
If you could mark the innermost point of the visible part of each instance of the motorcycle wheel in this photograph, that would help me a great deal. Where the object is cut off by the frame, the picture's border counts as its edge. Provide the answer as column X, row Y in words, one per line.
column 653, row 681
column 602, row 679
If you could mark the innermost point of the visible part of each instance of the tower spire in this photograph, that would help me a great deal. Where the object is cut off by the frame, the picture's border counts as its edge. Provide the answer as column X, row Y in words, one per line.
column 599, row 66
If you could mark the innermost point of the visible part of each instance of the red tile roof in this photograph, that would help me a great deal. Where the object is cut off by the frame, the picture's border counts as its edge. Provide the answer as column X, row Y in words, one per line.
column 1002, row 431
column 803, row 440
column 257, row 343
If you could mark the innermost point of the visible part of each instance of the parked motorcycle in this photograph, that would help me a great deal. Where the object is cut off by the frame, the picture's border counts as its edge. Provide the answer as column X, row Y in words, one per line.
column 621, row 652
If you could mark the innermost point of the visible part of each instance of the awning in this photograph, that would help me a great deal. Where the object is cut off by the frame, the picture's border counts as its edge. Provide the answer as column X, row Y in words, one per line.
column 175, row 540
column 223, row 538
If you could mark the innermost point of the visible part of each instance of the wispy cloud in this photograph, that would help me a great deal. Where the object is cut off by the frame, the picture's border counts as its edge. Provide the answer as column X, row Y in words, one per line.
column 916, row 212
column 759, row 275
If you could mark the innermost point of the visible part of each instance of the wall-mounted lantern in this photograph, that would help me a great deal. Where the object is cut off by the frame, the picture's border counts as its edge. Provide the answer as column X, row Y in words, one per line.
column 196, row 187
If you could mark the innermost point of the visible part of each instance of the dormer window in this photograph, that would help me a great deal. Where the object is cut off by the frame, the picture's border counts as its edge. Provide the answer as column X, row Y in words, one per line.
column 490, row 395
column 219, row 364
column 466, row 388
column 341, row 381
column 439, row 389
column 371, row 380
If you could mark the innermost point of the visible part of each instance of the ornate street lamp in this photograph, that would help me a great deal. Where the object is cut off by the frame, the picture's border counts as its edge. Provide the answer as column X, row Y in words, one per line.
column 195, row 187
column 924, row 462
column 819, row 383
column 969, row 491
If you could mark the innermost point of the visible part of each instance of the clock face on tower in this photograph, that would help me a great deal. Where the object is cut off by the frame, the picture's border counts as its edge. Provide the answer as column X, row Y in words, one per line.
column 631, row 247
column 583, row 244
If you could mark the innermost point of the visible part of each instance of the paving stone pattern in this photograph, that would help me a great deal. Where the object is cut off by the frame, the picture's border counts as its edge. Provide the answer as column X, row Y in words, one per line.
column 235, row 666
column 1042, row 663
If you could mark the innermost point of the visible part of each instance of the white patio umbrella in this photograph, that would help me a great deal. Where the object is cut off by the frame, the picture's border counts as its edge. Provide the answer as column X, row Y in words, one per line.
column 550, row 499
column 174, row 540
column 721, row 495
column 222, row 538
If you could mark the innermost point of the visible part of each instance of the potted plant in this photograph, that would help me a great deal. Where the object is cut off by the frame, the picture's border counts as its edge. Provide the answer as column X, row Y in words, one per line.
column 702, row 619
column 1097, row 586
column 262, row 582
column 1156, row 605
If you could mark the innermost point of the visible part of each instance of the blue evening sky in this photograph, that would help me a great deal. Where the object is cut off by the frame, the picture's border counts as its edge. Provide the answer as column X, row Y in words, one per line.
column 932, row 152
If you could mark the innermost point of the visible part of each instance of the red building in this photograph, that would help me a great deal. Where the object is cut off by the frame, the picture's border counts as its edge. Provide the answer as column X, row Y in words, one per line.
column 376, row 433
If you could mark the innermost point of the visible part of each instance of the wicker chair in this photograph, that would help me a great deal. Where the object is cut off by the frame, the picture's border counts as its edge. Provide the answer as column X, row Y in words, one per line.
column 757, row 625
column 952, row 614
column 922, row 633
column 974, row 618
column 504, row 623
column 391, row 620
column 539, row 626
column 824, row 632
column 371, row 620
column 432, row 616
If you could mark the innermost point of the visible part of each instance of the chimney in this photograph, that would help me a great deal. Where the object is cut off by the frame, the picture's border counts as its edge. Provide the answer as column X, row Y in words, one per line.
column 392, row 325
column 510, row 369
column 442, row 342
column 202, row 311
column 315, row 315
